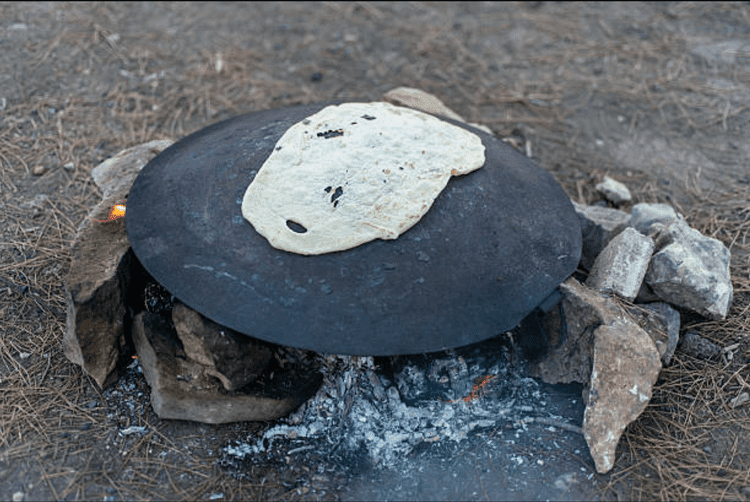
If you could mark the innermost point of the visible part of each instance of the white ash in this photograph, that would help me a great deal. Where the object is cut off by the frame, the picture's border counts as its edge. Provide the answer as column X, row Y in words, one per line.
column 433, row 400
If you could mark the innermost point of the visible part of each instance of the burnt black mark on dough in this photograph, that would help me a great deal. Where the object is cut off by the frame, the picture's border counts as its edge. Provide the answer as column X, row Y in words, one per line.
column 295, row 227
column 331, row 133
column 336, row 194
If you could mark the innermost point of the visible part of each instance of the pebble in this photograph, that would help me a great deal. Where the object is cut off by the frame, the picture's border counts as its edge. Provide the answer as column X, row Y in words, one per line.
column 70, row 166
column 38, row 170
column 19, row 496
column 699, row 347
column 614, row 191
column 740, row 400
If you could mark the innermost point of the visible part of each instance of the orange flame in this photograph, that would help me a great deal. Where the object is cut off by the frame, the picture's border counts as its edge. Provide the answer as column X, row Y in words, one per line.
column 117, row 211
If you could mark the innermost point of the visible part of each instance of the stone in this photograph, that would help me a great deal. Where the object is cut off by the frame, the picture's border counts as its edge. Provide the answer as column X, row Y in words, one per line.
column 664, row 327
column 614, row 191
column 695, row 345
column 691, row 270
column 622, row 264
column 420, row 100
column 181, row 389
column 116, row 174
column 626, row 365
column 741, row 399
column 604, row 347
column 570, row 360
column 235, row 359
column 646, row 295
column 598, row 226
column 645, row 214
column 100, row 274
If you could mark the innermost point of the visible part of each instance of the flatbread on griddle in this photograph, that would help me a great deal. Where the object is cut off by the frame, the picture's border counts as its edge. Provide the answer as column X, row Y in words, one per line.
column 355, row 172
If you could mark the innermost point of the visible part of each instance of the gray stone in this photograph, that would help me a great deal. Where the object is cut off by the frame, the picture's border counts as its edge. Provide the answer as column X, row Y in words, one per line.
column 695, row 345
column 691, row 270
column 741, row 399
column 233, row 358
column 614, row 191
column 625, row 368
column 645, row 214
column 181, row 389
column 662, row 322
column 99, row 276
column 621, row 266
column 598, row 226
column 646, row 295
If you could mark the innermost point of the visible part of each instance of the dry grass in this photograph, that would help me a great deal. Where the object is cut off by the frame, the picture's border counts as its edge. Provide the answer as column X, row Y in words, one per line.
column 689, row 443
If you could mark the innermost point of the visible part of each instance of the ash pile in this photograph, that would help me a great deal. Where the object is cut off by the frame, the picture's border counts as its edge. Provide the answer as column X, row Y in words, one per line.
column 389, row 406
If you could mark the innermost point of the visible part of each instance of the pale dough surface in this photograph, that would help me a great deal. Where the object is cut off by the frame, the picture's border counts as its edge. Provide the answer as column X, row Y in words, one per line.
column 355, row 172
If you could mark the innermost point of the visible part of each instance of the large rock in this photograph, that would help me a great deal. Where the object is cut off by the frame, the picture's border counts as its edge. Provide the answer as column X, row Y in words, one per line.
column 621, row 266
column 182, row 389
column 625, row 368
column 598, row 226
column 604, row 347
column 233, row 358
column 96, row 285
column 95, row 291
column 690, row 270
column 570, row 359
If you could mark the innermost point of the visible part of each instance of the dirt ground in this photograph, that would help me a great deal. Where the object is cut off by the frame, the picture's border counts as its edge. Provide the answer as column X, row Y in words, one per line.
column 654, row 95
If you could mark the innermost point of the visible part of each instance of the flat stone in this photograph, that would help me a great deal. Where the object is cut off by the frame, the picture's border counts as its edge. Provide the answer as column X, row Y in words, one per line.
column 614, row 191
column 645, row 214
column 626, row 365
column 420, row 100
column 95, row 292
column 598, row 226
column 181, row 388
column 622, row 264
column 426, row 102
column 691, row 270
column 235, row 359
column 96, row 285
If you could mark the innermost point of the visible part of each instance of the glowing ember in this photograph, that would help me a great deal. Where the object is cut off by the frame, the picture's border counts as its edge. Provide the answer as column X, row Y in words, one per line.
column 117, row 211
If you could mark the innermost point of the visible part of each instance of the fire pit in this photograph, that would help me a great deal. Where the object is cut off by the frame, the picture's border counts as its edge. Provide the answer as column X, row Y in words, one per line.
column 226, row 327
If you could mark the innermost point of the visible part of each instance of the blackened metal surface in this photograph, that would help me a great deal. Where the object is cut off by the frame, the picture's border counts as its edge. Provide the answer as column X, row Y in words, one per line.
column 495, row 243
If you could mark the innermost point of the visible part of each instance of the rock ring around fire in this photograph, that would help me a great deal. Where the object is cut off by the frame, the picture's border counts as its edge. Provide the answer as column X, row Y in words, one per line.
column 494, row 244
